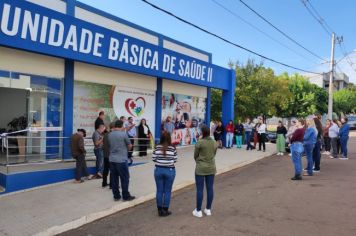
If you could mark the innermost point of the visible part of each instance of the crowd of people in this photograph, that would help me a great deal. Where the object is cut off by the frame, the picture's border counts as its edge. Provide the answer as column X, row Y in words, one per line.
column 113, row 151
column 309, row 137
column 241, row 133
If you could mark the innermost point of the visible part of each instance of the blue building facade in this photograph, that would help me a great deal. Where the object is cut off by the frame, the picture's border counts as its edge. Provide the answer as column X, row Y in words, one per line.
column 73, row 60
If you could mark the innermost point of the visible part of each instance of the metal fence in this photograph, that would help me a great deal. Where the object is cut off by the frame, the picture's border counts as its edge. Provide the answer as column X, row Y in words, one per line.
column 27, row 149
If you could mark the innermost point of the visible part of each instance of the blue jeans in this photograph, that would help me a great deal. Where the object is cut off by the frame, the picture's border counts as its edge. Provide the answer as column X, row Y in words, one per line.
column 297, row 151
column 238, row 141
column 309, row 152
column 316, row 154
column 120, row 171
column 99, row 164
column 209, row 182
column 229, row 139
column 247, row 140
column 343, row 142
column 164, row 178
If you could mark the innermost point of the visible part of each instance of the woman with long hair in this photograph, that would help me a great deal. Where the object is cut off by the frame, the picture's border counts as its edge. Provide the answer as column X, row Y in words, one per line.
column 205, row 169
column 317, row 147
column 309, row 141
column 327, row 145
column 144, row 135
column 261, row 133
column 218, row 133
column 297, row 149
column 281, row 138
column 239, row 129
column 248, row 130
column 164, row 156
column 229, row 134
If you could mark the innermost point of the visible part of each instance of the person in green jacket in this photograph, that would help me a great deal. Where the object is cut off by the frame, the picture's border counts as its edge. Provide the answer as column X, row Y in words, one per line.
column 204, row 155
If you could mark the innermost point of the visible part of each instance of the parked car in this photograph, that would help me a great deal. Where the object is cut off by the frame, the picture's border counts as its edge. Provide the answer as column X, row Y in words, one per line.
column 352, row 122
column 272, row 136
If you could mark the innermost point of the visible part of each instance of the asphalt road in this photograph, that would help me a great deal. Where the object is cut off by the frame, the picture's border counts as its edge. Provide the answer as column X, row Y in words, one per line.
column 259, row 199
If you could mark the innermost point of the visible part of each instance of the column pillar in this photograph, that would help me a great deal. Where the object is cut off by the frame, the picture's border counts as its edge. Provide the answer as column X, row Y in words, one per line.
column 228, row 99
column 68, row 95
column 158, row 113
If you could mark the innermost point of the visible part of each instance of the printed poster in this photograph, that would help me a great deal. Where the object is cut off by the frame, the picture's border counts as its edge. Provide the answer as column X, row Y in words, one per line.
column 187, row 113
column 136, row 103
column 115, row 101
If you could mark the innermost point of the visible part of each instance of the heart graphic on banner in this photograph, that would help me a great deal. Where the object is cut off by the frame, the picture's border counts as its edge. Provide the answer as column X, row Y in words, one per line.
column 135, row 107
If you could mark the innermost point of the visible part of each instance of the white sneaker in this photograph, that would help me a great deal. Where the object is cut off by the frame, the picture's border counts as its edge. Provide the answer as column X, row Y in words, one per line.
column 198, row 214
column 207, row 212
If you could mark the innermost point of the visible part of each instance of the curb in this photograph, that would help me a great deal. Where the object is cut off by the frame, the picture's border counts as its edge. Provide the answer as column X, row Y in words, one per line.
column 125, row 205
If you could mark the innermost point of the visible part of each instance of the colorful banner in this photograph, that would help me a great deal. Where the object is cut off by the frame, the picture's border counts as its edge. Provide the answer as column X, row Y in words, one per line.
column 187, row 114
column 115, row 101
column 136, row 103
column 89, row 100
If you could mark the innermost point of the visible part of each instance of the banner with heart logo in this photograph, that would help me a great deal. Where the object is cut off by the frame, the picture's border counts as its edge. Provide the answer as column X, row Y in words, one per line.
column 136, row 107
column 137, row 103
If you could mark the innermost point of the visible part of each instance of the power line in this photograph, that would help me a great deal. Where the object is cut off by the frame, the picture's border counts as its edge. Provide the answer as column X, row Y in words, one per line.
column 259, row 30
column 346, row 56
column 317, row 17
column 225, row 40
column 280, row 31
column 328, row 30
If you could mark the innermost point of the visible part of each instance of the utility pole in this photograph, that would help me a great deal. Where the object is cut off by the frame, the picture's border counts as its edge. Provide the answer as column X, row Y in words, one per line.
column 331, row 79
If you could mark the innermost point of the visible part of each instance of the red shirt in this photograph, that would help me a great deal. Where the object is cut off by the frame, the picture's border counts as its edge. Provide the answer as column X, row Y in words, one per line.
column 230, row 128
column 298, row 135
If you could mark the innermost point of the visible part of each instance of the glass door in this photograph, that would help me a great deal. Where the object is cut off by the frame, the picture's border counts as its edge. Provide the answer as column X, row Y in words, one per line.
column 44, row 119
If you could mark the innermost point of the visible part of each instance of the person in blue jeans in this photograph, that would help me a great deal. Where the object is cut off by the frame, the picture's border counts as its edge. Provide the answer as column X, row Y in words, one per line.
column 344, row 137
column 309, row 140
column 164, row 156
column 119, row 144
column 205, row 169
column 297, row 149
column 98, row 139
column 248, row 132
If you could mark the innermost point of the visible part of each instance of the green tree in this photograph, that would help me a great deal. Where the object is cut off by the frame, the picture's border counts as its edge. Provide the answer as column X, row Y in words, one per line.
column 344, row 101
column 216, row 106
column 321, row 99
column 302, row 101
column 259, row 91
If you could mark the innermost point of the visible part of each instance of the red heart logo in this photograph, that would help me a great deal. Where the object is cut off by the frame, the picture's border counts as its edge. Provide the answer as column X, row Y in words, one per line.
column 135, row 107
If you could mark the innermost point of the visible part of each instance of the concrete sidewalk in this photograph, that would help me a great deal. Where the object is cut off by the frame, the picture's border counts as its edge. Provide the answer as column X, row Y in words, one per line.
column 61, row 207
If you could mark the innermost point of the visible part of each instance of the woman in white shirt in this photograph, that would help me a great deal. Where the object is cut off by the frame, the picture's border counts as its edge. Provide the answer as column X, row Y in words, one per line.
column 261, row 132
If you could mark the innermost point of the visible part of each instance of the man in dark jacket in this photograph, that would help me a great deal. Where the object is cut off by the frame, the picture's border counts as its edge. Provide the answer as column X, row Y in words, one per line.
column 78, row 153
column 100, row 120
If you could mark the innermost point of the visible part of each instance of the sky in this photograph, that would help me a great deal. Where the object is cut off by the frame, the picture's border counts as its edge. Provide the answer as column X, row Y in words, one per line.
column 290, row 16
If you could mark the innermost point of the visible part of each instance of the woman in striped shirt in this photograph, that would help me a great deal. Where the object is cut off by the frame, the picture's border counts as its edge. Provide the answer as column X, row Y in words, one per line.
column 164, row 156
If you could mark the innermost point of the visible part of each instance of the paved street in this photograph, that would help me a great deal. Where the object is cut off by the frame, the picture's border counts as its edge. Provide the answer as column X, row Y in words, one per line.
column 259, row 199
column 55, row 209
